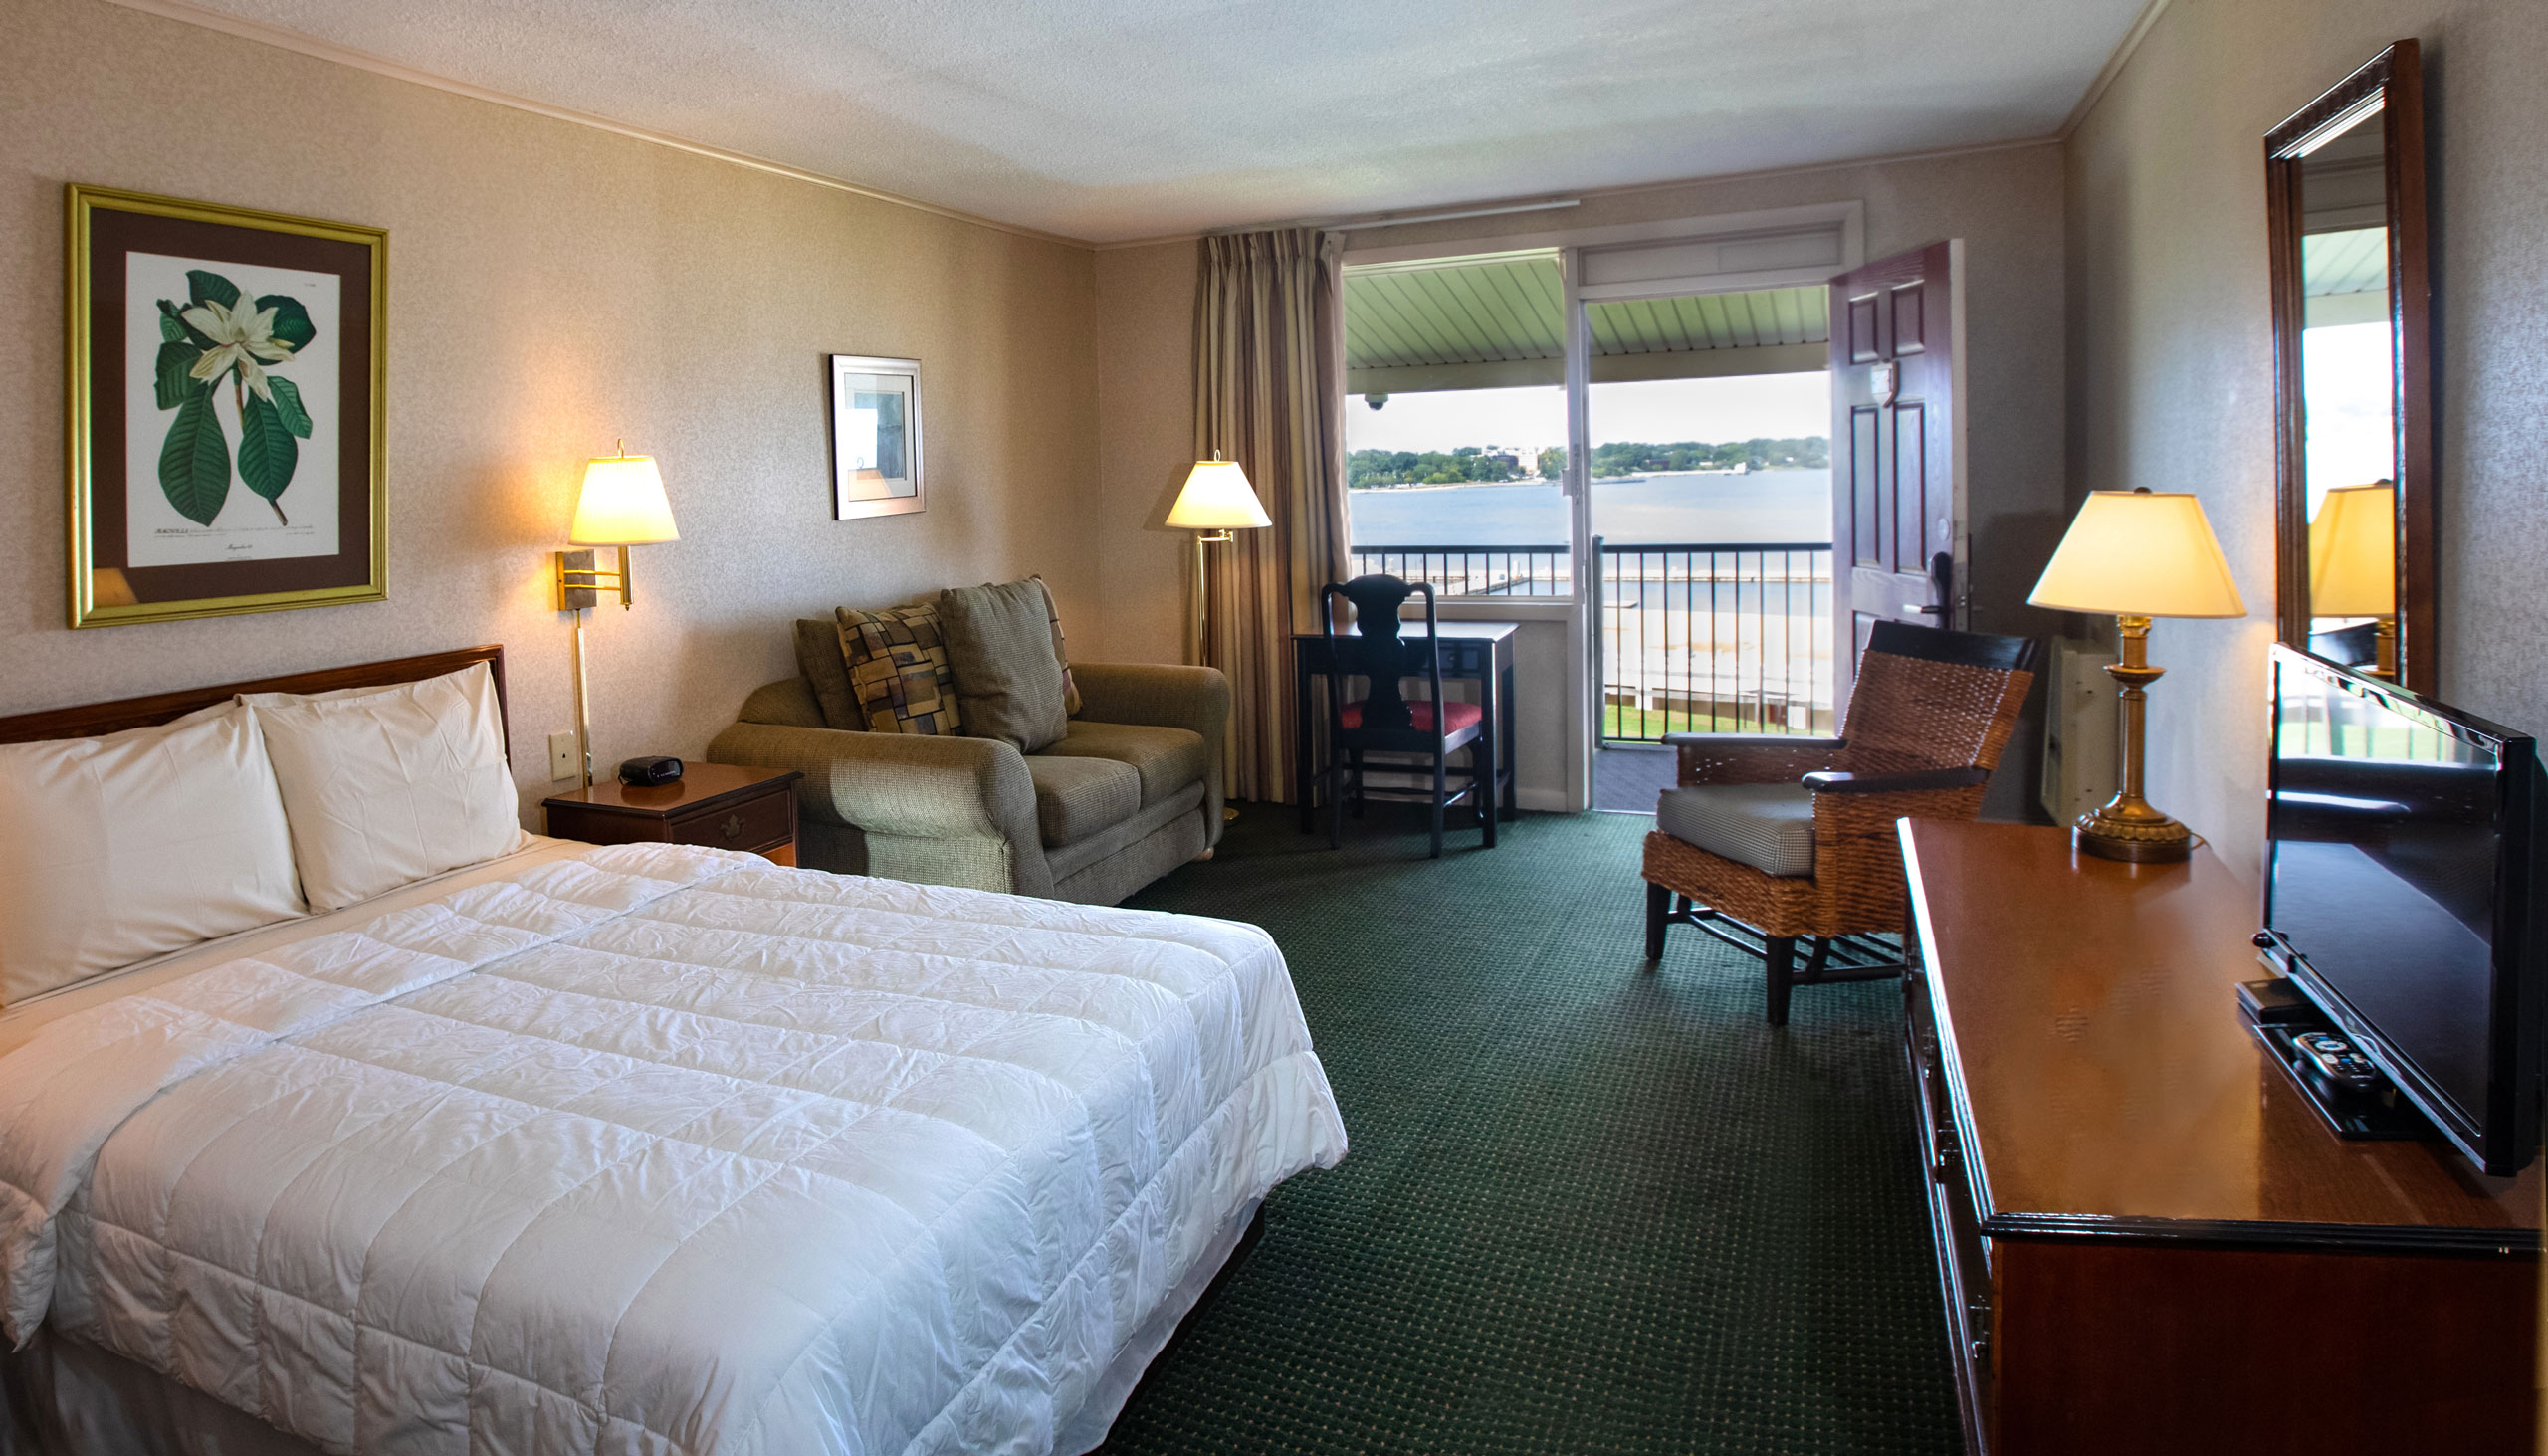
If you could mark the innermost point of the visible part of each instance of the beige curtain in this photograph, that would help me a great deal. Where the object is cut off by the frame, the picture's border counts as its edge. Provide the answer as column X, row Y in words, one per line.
column 1269, row 393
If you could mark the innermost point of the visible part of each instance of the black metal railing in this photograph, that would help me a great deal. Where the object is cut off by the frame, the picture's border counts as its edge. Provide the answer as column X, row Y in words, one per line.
column 1474, row 570
column 1696, row 636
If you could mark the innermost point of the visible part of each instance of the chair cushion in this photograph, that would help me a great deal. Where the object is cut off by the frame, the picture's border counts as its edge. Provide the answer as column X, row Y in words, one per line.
column 1078, row 797
column 999, row 642
column 1166, row 758
column 1769, row 826
column 898, row 672
column 1456, row 716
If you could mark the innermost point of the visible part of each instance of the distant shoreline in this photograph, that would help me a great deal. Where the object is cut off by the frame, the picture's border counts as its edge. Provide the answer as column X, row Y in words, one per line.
column 1640, row 477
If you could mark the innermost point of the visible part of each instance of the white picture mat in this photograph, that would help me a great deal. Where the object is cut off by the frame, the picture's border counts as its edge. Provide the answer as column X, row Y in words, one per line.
column 155, row 535
column 861, row 436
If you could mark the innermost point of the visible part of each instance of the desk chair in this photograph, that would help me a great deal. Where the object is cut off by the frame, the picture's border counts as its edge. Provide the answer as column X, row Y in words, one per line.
column 1771, row 838
column 1383, row 720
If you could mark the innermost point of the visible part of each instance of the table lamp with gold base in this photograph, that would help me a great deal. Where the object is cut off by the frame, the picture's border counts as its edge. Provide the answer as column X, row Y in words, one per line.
column 2137, row 554
column 2353, row 563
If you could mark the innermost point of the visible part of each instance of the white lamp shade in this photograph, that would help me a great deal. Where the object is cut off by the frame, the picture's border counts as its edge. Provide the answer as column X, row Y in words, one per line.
column 2140, row 553
column 622, row 504
column 2353, row 554
column 1217, row 496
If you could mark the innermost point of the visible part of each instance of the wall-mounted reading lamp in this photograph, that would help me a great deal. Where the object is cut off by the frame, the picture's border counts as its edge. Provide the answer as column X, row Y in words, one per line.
column 622, row 504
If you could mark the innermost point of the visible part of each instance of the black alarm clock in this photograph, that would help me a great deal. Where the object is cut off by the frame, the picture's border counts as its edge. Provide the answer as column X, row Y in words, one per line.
column 649, row 772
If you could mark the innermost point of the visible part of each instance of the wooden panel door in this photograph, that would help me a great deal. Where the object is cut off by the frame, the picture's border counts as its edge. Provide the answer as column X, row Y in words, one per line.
column 1895, row 501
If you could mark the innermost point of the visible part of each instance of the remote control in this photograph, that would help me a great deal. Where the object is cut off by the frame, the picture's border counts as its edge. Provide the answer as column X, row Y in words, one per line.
column 2335, row 1059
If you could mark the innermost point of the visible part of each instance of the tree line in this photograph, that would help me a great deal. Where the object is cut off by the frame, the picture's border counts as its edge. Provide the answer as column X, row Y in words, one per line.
column 1470, row 464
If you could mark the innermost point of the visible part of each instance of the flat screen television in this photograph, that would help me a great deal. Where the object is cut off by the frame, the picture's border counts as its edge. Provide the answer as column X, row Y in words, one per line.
column 2403, row 893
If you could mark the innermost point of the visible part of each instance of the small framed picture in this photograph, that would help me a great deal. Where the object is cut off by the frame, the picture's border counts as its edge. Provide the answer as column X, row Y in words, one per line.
column 875, row 436
column 225, row 378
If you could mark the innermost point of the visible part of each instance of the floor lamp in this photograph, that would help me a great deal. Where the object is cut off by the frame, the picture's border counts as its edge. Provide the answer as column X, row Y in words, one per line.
column 1217, row 500
column 622, row 504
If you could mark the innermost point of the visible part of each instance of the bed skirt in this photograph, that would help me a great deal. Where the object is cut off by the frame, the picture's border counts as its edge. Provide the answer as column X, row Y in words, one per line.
column 65, row 1397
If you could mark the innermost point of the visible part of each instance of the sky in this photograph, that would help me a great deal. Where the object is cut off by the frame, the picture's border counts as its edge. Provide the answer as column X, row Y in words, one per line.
column 1657, row 411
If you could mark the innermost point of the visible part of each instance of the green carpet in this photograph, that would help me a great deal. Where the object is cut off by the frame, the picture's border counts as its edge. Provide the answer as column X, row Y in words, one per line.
column 1587, row 1208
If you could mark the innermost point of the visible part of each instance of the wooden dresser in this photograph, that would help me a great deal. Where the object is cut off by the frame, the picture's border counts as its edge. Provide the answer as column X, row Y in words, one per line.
column 2149, row 1241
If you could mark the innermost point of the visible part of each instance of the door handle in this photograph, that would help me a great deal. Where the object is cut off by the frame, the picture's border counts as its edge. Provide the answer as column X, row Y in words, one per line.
column 1936, row 611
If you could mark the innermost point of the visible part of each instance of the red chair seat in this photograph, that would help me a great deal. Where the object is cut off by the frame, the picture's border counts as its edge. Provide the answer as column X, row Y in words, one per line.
column 1456, row 716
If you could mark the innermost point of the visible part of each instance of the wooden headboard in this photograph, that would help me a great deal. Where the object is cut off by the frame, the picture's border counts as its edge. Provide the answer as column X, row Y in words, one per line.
column 92, row 718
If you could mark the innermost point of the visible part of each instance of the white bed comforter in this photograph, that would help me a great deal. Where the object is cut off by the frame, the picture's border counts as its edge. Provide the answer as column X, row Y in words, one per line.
column 659, row 1149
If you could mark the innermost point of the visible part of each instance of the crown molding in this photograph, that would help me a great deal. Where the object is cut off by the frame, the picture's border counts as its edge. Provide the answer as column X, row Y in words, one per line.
column 2113, row 67
column 187, row 13
column 1373, row 221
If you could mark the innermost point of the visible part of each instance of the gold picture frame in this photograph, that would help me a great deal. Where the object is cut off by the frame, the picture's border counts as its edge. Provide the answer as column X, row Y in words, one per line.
column 245, row 354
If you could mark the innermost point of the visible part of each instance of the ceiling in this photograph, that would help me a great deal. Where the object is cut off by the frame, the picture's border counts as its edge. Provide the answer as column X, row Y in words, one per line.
column 1501, row 309
column 1113, row 119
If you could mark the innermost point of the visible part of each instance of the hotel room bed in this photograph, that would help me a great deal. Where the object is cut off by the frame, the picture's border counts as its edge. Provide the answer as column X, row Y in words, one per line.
column 643, row 1149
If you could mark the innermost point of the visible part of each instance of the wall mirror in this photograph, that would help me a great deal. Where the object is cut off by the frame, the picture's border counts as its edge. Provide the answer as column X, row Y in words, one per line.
column 2345, row 212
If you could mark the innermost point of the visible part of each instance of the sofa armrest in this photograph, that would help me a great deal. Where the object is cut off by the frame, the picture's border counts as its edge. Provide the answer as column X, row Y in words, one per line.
column 1163, row 694
column 912, row 785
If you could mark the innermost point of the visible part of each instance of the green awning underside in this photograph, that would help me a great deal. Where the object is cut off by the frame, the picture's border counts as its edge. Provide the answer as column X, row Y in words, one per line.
column 1499, row 323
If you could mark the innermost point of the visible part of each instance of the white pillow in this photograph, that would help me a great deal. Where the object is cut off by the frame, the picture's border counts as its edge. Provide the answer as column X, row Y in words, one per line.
column 116, row 849
column 383, row 788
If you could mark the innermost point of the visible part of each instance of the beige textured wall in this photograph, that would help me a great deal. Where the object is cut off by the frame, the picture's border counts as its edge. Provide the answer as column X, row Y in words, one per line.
column 2171, row 347
column 552, row 287
column 2007, row 205
column 1145, row 445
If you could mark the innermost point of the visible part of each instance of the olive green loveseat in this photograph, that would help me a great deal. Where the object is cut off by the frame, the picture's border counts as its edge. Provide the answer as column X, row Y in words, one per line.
column 1131, row 791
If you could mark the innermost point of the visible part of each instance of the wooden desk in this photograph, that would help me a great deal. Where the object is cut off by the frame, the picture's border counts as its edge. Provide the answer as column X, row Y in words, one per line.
column 1479, row 652
column 718, row 804
column 2147, row 1239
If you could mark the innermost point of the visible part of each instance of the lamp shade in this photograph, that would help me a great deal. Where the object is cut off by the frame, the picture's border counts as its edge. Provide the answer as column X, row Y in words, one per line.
column 622, row 504
column 2352, row 553
column 1217, row 497
column 2140, row 553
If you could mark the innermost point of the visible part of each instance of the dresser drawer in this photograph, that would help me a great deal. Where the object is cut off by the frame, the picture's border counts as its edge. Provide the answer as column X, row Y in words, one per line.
column 753, row 824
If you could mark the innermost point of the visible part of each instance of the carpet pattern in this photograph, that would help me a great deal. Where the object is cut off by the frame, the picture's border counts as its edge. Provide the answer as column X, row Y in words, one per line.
column 1587, row 1208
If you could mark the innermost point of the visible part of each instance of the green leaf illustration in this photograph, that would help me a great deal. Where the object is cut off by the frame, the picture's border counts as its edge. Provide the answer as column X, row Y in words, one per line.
column 194, row 463
column 168, row 320
column 288, row 404
column 202, row 285
column 266, row 452
column 175, row 358
column 291, row 320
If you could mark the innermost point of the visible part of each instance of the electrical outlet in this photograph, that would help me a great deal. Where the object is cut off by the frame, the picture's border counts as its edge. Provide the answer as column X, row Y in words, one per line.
column 562, row 757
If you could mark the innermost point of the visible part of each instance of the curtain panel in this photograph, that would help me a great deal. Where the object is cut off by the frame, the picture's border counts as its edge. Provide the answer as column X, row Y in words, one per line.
column 1269, row 393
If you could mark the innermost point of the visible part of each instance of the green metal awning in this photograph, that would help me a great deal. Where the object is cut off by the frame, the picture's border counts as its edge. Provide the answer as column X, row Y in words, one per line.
column 1499, row 321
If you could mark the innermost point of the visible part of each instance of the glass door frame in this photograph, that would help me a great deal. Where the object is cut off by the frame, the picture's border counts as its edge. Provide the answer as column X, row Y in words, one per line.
column 1724, row 253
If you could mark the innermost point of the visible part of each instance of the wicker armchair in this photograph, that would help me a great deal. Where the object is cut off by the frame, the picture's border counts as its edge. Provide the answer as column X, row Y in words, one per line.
column 1931, row 711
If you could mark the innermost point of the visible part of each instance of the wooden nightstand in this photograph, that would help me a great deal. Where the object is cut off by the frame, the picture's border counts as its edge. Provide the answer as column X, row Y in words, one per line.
column 716, row 804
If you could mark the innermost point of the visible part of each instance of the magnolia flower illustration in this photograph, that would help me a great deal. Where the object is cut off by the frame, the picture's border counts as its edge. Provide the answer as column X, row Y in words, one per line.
column 220, row 332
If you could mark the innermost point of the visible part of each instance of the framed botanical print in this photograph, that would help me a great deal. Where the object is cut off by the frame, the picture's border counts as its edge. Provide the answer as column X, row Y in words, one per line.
column 225, row 410
column 875, row 436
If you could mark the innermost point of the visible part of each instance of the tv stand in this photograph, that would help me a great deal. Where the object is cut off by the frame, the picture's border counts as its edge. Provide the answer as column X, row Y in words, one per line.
column 2141, row 1222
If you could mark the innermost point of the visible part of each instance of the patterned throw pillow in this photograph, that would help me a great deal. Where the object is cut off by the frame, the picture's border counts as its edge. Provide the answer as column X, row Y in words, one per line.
column 898, row 670
column 1053, row 614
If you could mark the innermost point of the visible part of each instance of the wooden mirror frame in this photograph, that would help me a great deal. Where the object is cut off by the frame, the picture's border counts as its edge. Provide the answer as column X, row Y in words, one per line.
column 2394, row 81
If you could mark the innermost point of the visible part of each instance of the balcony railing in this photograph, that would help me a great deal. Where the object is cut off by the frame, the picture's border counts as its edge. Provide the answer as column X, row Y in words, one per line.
column 1696, row 637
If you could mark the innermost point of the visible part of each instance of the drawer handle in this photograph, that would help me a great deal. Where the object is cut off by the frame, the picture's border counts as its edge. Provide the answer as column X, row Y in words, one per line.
column 734, row 826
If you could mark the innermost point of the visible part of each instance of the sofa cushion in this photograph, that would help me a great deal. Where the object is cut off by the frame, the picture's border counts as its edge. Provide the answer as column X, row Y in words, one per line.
column 1078, row 797
column 826, row 672
column 898, row 671
column 1769, row 826
column 1000, row 645
column 1167, row 759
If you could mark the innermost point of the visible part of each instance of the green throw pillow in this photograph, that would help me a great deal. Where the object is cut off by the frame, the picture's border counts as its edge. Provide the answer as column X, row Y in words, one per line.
column 1008, row 680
